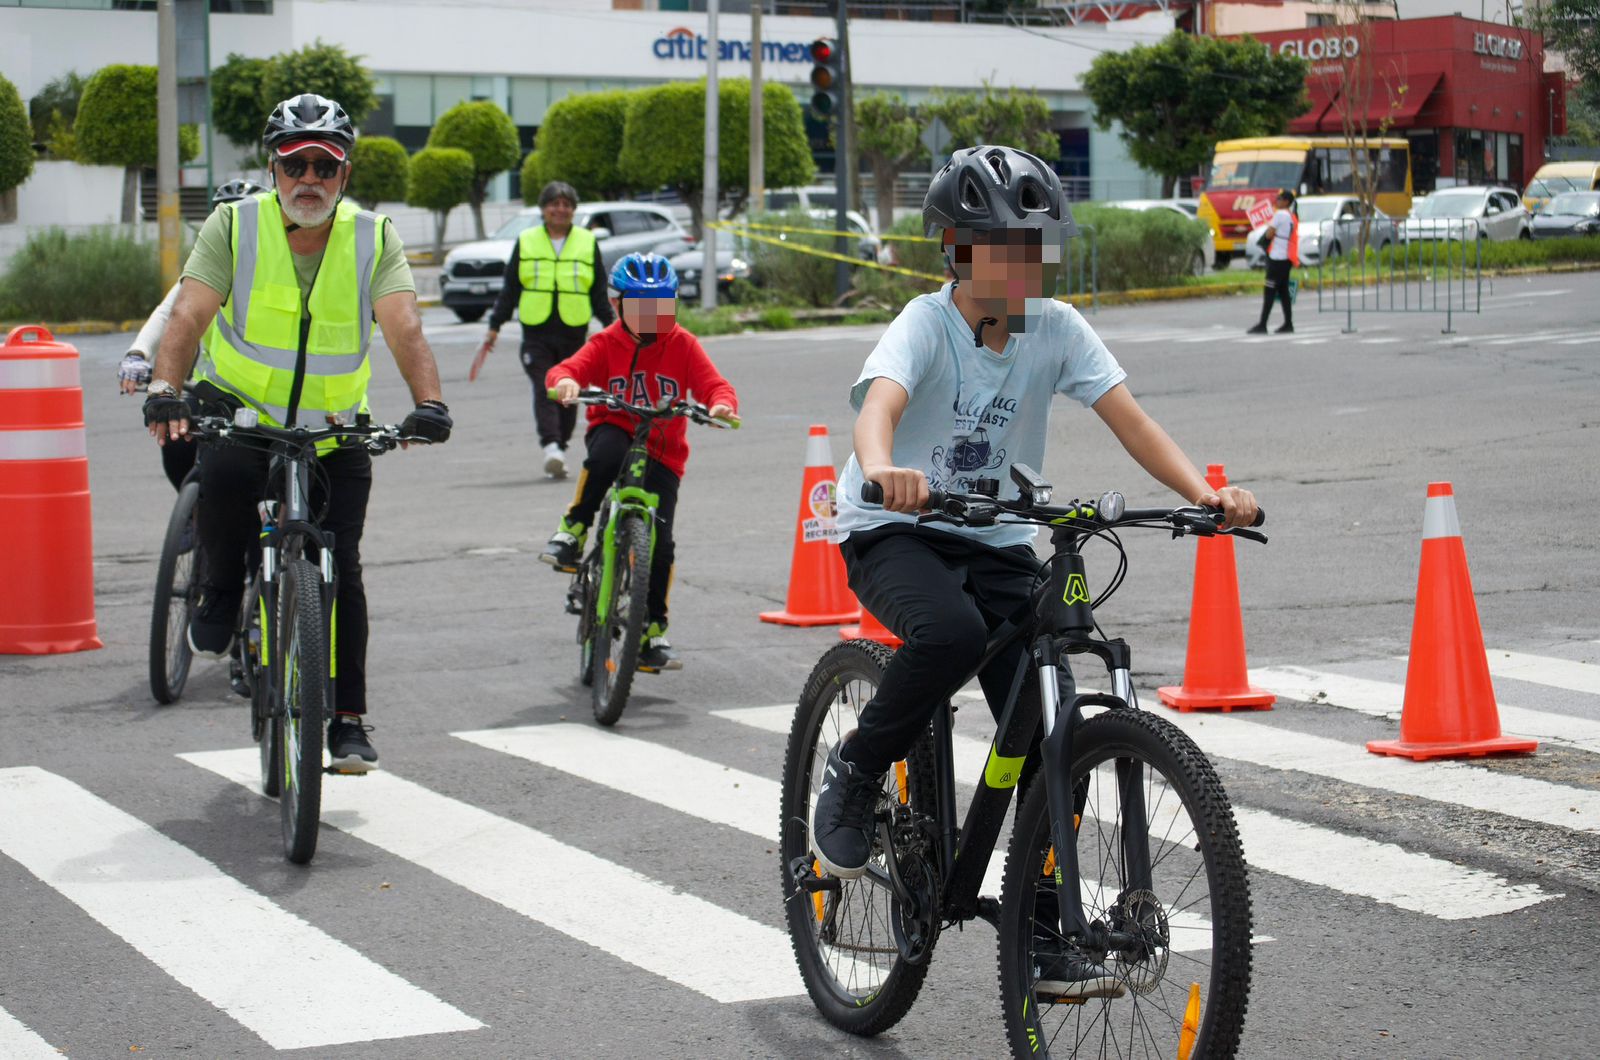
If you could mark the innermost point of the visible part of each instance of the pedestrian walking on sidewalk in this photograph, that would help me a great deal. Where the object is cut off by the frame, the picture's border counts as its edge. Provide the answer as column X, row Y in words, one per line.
column 555, row 282
column 1281, row 238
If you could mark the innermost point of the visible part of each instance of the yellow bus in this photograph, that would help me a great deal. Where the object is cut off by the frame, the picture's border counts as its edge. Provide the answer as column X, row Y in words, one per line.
column 1247, row 172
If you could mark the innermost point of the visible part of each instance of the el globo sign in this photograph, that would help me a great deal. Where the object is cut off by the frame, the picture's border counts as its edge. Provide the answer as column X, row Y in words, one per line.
column 686, row 45
column 1318, row 48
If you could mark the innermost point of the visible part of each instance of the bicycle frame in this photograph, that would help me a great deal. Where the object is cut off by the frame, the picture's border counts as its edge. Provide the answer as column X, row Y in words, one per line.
column 626, row 496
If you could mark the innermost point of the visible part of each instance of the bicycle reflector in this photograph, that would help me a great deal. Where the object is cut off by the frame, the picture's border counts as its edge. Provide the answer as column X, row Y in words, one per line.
column 827, row 76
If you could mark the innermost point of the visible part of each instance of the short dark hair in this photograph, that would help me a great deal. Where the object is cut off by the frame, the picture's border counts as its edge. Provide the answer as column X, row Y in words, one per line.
column 558, row 189
column 1286, row 194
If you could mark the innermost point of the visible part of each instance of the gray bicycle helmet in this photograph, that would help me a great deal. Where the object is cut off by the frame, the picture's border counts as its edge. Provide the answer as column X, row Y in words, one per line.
column 234, row 190
column 309, row 117
column 991, row 188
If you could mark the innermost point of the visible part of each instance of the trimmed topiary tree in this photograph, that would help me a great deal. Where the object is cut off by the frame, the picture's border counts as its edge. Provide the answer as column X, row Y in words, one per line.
column 326, row 69
column 440, row 179
column 117, row 126
column 579, row 143
column 485, row 132
column 16, row 142
column 239, row 104
column 378, row 169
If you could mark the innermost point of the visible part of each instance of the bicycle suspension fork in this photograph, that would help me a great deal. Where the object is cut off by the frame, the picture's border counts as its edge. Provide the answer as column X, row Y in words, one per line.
column 1065, row 802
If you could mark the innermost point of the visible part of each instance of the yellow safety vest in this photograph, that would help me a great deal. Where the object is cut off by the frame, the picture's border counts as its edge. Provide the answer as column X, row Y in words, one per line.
column 255, row 343
column 548, row 278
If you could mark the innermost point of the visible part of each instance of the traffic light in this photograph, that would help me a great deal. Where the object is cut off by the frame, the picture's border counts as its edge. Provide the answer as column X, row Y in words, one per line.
column 827, row 77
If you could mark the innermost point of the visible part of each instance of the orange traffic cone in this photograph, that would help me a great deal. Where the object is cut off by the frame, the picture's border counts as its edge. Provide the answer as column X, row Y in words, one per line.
column 819, row 594
column 870, row 629
column 1214, row 675
column 47, row 566
column 1449, row 709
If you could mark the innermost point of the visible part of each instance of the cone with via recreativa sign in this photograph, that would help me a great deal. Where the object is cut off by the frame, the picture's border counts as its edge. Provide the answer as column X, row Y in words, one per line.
column 819, row 594
column 870, row 629
column 1214, row 674
column 1449, row 709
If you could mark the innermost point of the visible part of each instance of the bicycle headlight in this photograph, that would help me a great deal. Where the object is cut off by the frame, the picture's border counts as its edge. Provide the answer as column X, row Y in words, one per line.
column 1112, row 505
column 1039, row 497
column 246, row 418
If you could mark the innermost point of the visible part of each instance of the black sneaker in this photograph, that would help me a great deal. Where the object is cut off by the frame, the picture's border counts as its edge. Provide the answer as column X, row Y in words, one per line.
column 211, row 625
column 562, row 552
column 656, row 654
column 348, row 746
column 1066, row 974
column 842, row 820
column 1287, row 329
column 1259, row 329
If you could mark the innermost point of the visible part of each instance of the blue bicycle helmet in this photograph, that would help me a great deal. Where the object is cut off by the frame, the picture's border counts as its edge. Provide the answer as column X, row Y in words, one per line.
column 644, row 276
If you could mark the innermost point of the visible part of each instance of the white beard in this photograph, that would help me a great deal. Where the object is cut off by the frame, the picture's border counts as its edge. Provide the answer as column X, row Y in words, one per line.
column 307, row 218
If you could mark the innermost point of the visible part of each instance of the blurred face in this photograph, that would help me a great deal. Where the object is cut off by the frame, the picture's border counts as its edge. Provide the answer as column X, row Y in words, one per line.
column 558, row 214
column 310, row 198
column 1008, row 272
column 648, row 317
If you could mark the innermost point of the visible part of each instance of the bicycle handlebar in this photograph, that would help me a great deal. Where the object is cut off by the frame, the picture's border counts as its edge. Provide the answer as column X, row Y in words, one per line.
column 1032, row 506
column 378, row 438
column 698, row 413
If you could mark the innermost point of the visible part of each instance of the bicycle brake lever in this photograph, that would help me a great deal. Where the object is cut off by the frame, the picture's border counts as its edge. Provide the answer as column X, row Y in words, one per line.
column 1248, row 535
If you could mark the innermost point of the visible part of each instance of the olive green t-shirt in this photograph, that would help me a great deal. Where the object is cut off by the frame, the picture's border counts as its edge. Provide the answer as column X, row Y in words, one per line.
column 211, row 260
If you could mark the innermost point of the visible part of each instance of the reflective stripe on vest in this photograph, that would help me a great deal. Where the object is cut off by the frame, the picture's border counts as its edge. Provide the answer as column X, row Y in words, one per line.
column 561, row 281
column 253, row 350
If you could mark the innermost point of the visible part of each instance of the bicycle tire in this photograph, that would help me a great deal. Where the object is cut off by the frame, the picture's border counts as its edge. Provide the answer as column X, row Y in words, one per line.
column 253, row 648
column 845, row 678
column 1198, row 847
column 616, row 646
column 588, row 583
column 300, row 685
column 170, row 655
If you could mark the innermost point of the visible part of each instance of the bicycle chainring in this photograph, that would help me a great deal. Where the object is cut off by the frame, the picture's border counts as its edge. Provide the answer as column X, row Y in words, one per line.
column 916, row 918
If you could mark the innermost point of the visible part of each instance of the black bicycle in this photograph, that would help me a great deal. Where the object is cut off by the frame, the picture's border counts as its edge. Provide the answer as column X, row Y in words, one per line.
column 610, row 589
column 1126, row 860
column 177, row 592
column 283, row 644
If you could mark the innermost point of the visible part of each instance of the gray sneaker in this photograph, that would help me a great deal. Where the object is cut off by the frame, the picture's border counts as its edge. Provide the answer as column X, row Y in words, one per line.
column 349, row 750
column 842, row 820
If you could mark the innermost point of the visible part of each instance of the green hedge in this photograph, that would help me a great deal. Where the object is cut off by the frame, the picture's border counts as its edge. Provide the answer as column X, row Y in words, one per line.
column 97, row 275
column 1139, row 248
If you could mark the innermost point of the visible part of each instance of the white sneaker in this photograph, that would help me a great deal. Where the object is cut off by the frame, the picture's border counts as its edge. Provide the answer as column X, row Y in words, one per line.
column 555, row 461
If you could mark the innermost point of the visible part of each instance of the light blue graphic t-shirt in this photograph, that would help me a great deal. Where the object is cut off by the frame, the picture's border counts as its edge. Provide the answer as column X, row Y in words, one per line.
column 973, row 412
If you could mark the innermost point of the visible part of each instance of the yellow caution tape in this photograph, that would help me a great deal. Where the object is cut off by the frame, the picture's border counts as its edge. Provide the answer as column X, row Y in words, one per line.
column 833, row 232
column 800, row 248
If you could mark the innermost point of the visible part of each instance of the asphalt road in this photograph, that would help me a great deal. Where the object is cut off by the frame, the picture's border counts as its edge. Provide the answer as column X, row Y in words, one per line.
column 446, row 914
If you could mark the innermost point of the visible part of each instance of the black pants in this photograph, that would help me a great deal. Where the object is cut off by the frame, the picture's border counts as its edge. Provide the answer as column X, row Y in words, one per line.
column 606, row 448
column 232, row 480
column 177, row 457
column 1277, row 287
column 942, row 594
column 543, row 349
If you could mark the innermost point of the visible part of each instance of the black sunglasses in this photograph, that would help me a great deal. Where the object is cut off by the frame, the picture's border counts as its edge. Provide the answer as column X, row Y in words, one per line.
column 295, row 168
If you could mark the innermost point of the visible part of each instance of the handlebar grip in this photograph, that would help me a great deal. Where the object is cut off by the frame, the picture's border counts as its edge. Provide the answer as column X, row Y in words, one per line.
column 1261, row 517
column 552, row 393
column 871, row 493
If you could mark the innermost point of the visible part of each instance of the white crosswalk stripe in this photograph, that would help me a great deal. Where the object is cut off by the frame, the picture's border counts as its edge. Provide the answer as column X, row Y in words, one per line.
column 293, row 985
column 17, row 1042
column 691, row 942
column 1545, row 670
column 1384, row 872
column 1383, row 699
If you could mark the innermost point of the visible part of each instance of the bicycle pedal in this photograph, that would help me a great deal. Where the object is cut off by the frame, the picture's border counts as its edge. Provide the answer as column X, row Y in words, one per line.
column 573, row 608
column 332, row 772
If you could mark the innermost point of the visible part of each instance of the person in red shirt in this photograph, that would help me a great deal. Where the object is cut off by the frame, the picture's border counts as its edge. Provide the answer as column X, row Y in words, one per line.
column 646, row 358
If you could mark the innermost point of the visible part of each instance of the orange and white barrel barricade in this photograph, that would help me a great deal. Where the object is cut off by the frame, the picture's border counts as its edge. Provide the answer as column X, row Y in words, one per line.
column 47, row 564
column 819, row 592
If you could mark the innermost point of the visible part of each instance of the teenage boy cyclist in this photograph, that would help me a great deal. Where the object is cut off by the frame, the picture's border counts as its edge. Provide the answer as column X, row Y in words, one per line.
column 645, row 358
column 959, row 388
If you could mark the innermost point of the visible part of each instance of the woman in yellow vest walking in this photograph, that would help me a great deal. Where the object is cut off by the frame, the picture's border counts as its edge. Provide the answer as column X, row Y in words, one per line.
column 556, row 281
column 285, row 287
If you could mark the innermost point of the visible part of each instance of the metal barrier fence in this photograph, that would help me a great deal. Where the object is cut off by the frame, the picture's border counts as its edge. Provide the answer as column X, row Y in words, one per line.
column 1422, row 265
column 1080, row 268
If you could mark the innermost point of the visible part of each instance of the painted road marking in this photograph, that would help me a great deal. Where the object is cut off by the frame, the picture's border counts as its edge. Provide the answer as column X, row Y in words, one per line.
column 289, row 982
column 691, row 942
column 1545, row 670
column 17, row 1042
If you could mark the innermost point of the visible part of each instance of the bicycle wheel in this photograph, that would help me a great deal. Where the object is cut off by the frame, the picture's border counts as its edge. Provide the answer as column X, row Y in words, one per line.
column 300, row 683
column 585, row 584
column 1180, row 948
column 844, row 940
column 254, row 648
column 616, row 641
column 177, row 588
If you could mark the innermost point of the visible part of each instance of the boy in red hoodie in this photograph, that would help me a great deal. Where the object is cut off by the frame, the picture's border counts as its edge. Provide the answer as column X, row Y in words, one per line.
column 645, row 358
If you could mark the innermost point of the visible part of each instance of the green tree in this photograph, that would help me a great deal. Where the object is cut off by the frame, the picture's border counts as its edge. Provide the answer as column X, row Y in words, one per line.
column 440, row 179
column 889, row 134
column 326, row 69
column 16, row 142
column 378, row 170
column 116, row 126
column 532, row 177
column 239, row 103
column 663, row 140
column 1015, row 118
column 1174, row 100
column 485, row 132
column 579, row 142
column 53, row 110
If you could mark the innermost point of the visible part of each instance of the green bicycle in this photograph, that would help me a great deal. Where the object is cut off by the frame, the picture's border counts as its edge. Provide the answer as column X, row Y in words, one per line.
column 611, row 587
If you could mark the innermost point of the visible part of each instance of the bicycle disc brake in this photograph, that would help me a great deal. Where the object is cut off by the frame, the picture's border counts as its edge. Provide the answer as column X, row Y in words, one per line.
column 914, row 910
column 1143, row 940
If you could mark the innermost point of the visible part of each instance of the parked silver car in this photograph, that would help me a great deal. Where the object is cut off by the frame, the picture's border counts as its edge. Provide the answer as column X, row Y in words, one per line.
column 1330, row 225
column 1496, row 214
column 691, row 263
column 474, row 272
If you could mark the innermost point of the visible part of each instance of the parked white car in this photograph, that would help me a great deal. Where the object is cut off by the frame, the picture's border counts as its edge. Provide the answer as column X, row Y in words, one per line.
column 1496, row 214
column 1329, row 226
column 474, row 272
column 1207, row 258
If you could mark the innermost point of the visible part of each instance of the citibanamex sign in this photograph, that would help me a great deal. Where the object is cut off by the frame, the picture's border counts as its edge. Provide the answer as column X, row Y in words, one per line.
column 1318, row 48
column 1499, row 47
column 685, row 44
